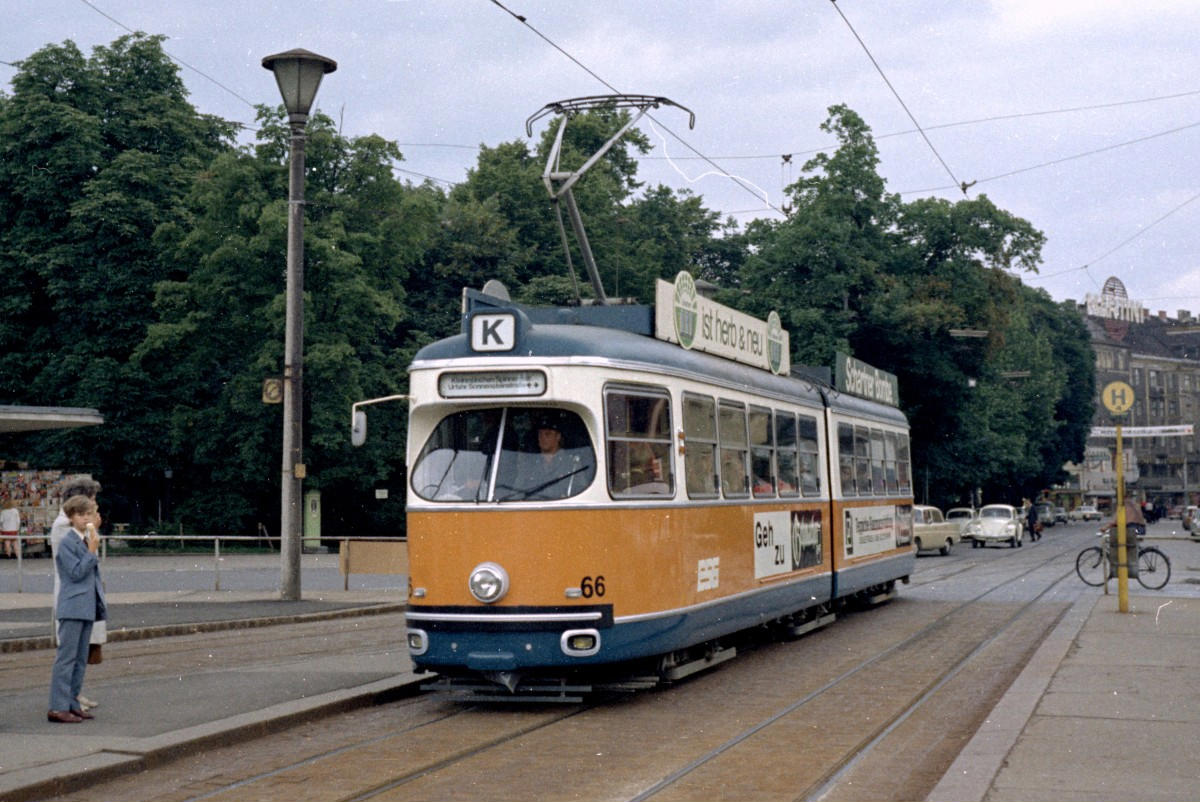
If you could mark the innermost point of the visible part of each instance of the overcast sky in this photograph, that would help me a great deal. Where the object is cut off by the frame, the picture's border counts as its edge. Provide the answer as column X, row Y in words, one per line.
column 1081, row 116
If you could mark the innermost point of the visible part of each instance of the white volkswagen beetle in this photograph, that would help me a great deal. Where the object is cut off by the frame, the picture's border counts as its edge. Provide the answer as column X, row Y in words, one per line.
column 997, row 523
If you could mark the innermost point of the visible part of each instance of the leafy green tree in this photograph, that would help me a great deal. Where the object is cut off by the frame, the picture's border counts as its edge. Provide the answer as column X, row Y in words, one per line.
column 855, row 269
column 821, row 266
column 98, row 153
column 220, row 327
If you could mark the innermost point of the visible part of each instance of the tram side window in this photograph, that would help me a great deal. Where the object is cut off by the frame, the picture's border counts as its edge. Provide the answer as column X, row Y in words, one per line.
column 731, row 428
column 762, row 453
column 862, row 460
column 878, row 485
column 639, row 443
column 700, row 446
column 786, row 457
column 903, row 466
column 846, row 459
column 810, row 466
column 889, row 464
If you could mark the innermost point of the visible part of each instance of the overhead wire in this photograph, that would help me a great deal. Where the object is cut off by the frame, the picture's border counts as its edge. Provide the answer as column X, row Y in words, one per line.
column 173, row 57
column 725, row 173
column 1120, row 244
column 959, row 124
column 1062, row 160
column 963, row 185
column 240, row 125
column 959, row 185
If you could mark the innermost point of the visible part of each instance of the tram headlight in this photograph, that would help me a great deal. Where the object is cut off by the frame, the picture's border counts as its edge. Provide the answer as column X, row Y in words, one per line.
column 488, row 582
column 418, row 642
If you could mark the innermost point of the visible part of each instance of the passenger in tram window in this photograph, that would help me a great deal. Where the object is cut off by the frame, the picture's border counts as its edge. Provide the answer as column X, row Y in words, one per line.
column 646, row 470
column 733, row 471
column 700, row 469
column 760, row 468
column 809, row 482
column 847, row 474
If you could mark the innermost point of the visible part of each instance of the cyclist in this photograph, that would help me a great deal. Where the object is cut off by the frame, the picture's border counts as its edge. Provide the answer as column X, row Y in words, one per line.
column 1135, row 522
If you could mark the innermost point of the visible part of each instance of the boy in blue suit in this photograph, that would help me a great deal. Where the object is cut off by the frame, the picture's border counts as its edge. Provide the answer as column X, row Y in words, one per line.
column 80, row 605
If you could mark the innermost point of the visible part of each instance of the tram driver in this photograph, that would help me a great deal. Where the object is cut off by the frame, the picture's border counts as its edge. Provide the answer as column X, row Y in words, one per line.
column 555, row 471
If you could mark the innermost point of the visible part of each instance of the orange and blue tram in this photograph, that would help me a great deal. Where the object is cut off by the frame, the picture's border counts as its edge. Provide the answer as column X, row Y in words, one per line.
column 590, row 506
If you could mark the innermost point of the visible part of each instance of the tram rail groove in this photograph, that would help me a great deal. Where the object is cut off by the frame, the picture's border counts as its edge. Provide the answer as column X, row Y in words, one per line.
column 830, row 774
column 835, row 772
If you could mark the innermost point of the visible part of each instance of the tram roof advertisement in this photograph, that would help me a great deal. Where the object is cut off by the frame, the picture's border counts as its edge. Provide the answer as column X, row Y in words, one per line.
column 684, row 316
column 859, row 378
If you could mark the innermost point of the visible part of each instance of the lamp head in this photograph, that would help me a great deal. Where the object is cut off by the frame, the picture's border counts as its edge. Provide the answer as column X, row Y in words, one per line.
column 298, row 73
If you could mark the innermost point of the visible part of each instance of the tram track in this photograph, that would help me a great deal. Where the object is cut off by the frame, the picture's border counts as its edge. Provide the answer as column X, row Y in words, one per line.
column 440, row 715
column 426, row 747
column 818, row 790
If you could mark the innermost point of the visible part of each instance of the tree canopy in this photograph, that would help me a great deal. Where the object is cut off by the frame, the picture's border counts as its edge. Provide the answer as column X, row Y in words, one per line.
column 143, row 254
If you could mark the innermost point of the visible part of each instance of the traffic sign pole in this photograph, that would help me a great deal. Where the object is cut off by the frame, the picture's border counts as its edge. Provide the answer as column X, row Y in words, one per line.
column 1118, row 398
column 1122, row 562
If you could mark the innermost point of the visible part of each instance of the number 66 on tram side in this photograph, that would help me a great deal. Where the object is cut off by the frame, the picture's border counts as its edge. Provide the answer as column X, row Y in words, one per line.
column 593, row 507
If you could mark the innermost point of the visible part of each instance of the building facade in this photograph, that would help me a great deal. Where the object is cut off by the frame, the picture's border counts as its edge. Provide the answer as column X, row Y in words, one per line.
column 1159, row 357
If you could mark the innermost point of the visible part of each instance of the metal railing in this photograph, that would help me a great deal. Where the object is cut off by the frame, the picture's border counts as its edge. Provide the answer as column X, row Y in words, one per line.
column 216, row 540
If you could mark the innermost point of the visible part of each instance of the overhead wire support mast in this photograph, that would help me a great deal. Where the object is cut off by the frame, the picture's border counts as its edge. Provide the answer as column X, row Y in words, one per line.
column 559, row 182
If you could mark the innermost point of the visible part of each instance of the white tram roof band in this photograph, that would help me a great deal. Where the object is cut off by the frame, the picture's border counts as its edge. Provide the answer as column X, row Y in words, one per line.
column 549, row 344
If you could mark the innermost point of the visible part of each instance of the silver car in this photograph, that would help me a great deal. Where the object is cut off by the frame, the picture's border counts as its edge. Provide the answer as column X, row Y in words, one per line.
column 997, row 523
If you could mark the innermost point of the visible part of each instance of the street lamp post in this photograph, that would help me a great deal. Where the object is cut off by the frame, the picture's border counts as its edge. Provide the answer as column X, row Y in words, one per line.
column 298, row 73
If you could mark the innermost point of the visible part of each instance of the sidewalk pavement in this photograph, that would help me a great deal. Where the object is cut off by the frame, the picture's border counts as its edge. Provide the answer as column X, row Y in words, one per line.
column 1107, row 708
column 141, row 723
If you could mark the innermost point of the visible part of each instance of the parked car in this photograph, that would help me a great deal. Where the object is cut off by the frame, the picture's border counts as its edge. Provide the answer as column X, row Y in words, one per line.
column 1045, row 513
column 932, row 531
column 1191, row 521
column 1060, row 515
column 960, row 516
column 997, row 523
column 1086, row 512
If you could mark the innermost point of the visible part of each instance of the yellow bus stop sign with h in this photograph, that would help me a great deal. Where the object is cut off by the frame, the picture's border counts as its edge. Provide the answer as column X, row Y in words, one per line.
column 1117, row 397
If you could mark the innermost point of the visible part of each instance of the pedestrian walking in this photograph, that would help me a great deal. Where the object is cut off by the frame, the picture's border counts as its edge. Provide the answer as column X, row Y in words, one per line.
column 1031, row 517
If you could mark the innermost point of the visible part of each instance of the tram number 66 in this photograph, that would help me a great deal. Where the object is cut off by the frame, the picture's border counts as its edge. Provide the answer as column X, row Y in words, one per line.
column 589, row 587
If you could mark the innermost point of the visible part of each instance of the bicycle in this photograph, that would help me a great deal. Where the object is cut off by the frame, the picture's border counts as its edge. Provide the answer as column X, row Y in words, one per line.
column 1153, row 567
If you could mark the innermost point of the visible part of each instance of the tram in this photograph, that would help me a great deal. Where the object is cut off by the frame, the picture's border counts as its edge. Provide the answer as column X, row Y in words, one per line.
column 605, row 497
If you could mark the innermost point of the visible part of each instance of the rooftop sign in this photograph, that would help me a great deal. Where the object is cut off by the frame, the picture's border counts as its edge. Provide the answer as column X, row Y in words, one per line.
column 861, row 379
column 685, row 317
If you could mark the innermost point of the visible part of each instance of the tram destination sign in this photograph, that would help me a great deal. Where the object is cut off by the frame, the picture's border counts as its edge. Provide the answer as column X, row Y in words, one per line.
column 684, row 316
column 859, row 378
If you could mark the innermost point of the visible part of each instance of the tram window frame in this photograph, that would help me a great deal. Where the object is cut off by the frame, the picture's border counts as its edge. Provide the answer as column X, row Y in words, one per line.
column 878, row 483
column 846, row 459
column 862, row 460
column 904, row 463
column 809, row 439
column 699, row 413
column 889, row 463
column 786, row 454
column 622, row 437
column 762, row 482
column 734, row 449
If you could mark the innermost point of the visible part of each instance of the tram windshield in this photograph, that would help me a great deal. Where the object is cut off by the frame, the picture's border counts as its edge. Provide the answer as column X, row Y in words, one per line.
column 503, row 454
